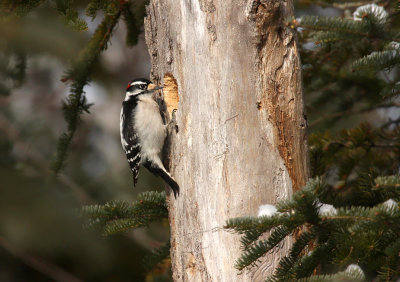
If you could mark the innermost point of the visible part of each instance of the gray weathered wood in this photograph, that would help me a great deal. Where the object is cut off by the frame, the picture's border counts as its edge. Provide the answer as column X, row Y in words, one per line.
column 242, row 139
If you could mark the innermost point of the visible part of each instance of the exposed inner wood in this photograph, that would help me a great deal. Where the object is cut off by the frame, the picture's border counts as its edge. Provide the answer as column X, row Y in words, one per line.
column 241, row 140
column 171, row 95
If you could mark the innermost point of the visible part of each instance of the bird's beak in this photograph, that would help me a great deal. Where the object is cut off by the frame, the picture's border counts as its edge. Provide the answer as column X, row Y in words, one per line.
column 153, row 87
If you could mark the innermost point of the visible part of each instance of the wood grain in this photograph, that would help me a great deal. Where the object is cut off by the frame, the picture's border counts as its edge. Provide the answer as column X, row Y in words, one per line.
column 241, row 140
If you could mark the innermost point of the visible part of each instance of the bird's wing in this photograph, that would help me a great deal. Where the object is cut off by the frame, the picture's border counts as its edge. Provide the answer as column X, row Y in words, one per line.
column 132, row 150
column 129, row 138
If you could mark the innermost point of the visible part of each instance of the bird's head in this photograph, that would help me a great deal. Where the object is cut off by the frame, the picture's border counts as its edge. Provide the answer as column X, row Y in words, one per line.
column 140, row 86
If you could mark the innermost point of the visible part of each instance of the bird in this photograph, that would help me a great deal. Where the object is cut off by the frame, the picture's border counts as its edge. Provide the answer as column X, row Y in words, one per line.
column 143, row 131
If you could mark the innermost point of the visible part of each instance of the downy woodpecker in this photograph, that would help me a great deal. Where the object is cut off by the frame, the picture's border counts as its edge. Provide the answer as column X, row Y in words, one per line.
column 143, row 131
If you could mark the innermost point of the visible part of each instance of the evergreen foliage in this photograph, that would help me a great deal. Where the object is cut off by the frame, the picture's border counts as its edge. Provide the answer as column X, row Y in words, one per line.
column 81, row 71
column 18, row 8
column 120, row 216
column 350, row 276
column 335, row 25
column 79, row 75
column 348, row 213
column 379, row 60
column 349, row 60
column 70, row 15
column 133, row 19
column 361, row 149
column 115, row 216
column 347, row 234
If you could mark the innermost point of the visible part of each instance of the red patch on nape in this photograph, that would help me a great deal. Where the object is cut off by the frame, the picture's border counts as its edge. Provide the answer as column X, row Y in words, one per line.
column 129, row 85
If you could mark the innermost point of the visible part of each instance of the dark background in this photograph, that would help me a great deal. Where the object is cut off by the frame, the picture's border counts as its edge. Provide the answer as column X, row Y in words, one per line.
column 39, row 218
column 41, row 232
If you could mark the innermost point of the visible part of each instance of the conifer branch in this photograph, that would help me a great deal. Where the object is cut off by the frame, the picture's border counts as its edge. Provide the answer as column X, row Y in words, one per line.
column 95, row 5
column 286, row 263
column 352, row 217
column 327, row 37
column 19, row 8
column 13, row 135
column 70, row 15
column 388, row 183
column 393, row 248
column 45, row 267
column 338, row 237
column 253, row 228
column 133, row 21
column 337, row 25
column 378, row 60
column 251, row 256
column 340, row 276
column 308, row 263
column 79, row 74
column 119, row 216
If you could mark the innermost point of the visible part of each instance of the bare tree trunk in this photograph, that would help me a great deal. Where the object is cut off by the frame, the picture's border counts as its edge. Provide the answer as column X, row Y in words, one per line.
column 241, row 140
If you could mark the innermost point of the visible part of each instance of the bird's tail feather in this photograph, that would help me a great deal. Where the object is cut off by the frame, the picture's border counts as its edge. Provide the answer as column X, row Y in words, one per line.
column 157, row 170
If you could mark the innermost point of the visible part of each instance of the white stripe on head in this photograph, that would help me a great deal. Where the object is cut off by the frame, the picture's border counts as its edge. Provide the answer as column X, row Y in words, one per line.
column 138, row 83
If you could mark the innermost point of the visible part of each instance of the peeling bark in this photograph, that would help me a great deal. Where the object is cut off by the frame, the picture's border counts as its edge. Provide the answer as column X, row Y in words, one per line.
column 241, row 140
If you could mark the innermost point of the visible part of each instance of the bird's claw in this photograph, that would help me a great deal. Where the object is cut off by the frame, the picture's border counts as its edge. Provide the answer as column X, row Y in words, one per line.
column 173, row 123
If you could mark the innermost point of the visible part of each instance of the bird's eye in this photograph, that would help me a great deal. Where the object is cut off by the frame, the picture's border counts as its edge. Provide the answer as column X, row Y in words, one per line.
column 143, row 87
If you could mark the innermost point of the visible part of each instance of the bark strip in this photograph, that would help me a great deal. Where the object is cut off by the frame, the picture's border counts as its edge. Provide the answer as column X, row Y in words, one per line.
column 241, row 140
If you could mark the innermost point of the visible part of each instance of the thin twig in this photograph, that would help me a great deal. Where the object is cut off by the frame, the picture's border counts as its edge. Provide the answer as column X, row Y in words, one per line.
column 354, row 217
column 39, row 264
column 13, row 135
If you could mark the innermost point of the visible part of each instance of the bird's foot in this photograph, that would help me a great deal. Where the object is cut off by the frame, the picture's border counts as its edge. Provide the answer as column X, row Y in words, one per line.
column 173, row 125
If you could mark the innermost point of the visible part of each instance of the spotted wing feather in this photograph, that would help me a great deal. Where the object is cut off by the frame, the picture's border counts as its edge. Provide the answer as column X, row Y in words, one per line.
column 132, row 151
column 129, row 139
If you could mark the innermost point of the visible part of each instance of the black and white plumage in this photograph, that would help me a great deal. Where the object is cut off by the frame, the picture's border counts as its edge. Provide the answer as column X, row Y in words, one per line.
column 143, row 131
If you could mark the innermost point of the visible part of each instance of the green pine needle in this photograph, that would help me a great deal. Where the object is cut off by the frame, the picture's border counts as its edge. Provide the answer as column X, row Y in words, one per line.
column 301, row 242
column 332, row 24
column 18, row 8
column 80, row 73
column 338, row 238
column 378, row 60
column 119, row 216
column 133, row 19
column 350, row 276
column 251, row 256
column 94, row 6
column 124, row 224
column 326, row 37
column 71, row 16
column 393, row 249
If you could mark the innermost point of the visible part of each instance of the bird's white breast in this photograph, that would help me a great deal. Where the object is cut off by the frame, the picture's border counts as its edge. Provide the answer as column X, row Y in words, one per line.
column 149, row 127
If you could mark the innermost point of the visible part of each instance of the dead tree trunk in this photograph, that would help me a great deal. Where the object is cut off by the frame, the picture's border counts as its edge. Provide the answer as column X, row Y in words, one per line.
column 241, row 140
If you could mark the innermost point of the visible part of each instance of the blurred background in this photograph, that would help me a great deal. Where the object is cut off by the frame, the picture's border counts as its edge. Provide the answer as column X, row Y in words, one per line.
column 41, row 235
